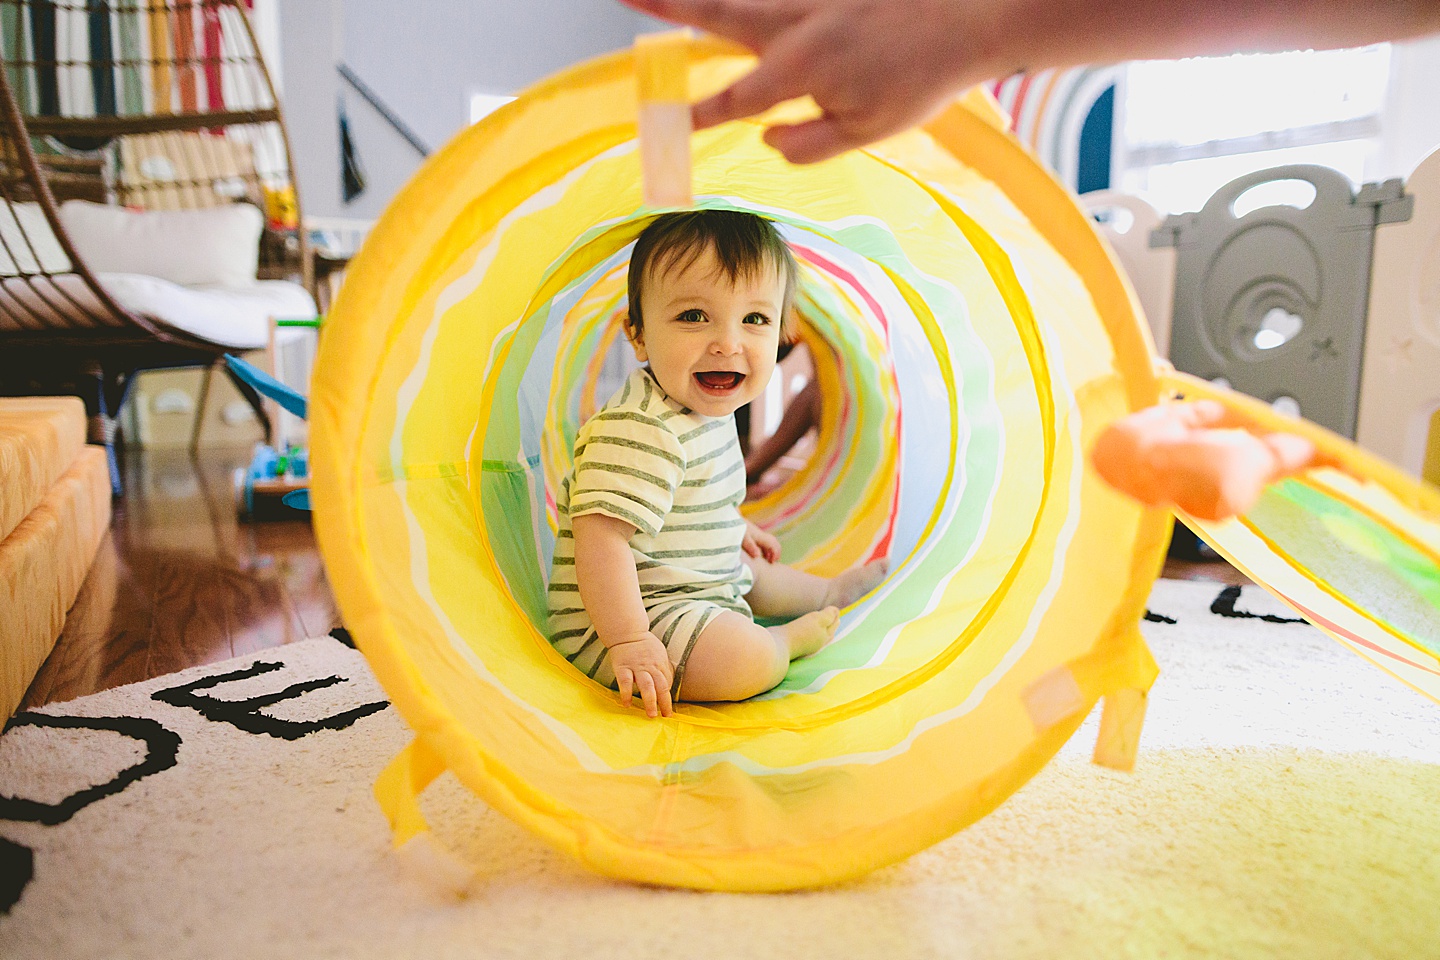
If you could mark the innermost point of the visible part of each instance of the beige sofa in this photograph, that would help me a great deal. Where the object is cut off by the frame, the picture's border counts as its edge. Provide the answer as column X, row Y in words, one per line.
column 54, row 511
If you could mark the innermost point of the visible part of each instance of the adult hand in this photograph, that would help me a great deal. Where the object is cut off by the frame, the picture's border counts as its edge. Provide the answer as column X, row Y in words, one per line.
column 875, row 67
column 643, row 666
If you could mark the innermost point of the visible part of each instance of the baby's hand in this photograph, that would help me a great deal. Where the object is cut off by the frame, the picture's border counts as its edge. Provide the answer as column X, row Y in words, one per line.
column 760, row 543
column 643, row 665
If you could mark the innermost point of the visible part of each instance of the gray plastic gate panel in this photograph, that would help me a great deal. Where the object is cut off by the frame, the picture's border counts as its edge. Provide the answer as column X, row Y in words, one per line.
column 1312, row 263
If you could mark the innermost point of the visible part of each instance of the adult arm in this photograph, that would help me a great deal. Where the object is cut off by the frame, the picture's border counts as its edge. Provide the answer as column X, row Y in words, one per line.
column 801, row 415
column 877, row 67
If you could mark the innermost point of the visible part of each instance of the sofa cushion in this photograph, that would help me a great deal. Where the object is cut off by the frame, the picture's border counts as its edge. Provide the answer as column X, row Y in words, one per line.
column 215, row 246
column 40, row 437
column 43, row 564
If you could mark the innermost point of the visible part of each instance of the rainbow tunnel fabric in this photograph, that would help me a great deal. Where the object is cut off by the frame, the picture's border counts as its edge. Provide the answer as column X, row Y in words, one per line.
column 971, row 336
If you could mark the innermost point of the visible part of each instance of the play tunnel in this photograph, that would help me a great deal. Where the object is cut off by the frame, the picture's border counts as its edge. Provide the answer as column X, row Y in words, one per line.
column 971, row 336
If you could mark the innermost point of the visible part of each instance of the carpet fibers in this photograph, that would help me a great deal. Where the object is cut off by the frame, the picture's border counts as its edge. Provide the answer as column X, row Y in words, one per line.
column 1285, row 805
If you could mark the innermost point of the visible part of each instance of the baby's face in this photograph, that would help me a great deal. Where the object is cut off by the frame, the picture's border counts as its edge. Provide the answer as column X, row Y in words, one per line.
column 711, row 344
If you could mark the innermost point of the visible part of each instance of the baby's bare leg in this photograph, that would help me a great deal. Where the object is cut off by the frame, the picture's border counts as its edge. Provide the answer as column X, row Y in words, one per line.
column 783, row 592
column 780, row 591
column 735, row 658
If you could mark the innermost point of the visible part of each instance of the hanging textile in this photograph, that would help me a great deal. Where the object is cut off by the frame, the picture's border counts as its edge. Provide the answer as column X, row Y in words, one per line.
column 352, row 175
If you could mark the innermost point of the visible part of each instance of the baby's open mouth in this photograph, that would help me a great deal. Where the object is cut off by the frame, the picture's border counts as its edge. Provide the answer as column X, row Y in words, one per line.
column 720, row 380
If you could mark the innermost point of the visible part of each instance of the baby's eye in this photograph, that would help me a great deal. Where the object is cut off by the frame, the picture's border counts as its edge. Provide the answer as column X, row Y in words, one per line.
column 692, row 316
column 758, row 318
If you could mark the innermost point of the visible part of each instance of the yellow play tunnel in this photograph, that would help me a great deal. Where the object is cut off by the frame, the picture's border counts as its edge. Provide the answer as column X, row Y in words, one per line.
column 972, row 337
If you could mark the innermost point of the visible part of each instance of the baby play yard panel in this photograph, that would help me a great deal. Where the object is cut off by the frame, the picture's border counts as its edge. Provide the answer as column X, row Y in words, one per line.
column 979, row 336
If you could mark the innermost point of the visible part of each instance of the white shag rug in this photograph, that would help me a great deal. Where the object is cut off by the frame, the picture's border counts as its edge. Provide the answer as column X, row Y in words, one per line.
column 1286, row 804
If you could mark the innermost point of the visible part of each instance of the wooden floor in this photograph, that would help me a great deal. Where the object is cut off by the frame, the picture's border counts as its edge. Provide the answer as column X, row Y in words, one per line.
column 180, row 582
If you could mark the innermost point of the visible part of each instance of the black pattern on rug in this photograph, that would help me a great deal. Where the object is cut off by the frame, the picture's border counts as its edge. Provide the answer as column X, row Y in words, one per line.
column 247, row 714
column 1224, row 605
column 17, row 867
column 162, row 747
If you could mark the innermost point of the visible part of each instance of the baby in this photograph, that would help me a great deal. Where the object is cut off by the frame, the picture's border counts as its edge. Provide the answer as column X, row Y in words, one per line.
column 657, row 578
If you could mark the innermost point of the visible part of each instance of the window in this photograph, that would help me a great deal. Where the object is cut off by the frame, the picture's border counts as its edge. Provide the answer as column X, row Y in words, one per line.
column 1188, row 127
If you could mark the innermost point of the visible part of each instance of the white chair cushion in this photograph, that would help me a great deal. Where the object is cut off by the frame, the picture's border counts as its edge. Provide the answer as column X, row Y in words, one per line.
column 29, row 245
column 237, row 317
column 215, row 246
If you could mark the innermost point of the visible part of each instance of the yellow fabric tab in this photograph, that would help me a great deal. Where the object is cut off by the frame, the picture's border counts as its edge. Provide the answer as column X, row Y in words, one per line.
column 1052, row 698
column 1120, row 724
column 1121, row 672
column 1125, row 688
column 662, row 73
column 662, row 63
column 399, row 786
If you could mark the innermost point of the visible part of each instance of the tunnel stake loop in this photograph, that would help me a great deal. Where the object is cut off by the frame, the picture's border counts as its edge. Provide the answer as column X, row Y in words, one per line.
column 662, row 80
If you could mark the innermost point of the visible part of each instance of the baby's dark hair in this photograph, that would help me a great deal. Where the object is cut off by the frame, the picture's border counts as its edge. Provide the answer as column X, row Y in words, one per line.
column 744, row 244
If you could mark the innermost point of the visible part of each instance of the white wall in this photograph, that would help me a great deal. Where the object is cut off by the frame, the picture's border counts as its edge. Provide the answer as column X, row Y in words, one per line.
column 1410, row 127
column 424, row 59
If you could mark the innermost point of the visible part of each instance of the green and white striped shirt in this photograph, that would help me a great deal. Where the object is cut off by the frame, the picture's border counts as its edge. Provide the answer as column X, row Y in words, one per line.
column 679, row 478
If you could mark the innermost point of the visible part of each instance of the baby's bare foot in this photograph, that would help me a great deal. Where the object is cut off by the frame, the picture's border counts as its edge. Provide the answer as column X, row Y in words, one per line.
column 855, row 583
column 805, row 635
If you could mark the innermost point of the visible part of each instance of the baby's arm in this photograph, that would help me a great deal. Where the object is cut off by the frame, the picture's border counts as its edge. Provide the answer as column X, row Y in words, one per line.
column 610, row 590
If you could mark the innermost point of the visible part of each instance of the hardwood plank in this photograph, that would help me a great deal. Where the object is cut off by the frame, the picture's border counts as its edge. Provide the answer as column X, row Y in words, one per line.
column 1218, row 571
column 307, row 591
column 264, row 616
column 180, row 582
column 191, row 622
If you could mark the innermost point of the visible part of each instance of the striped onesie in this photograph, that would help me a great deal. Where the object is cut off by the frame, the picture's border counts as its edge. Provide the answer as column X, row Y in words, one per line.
column 679, row 478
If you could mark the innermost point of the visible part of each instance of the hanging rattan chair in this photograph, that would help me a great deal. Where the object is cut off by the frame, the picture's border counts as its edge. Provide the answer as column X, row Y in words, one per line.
column 149, row 104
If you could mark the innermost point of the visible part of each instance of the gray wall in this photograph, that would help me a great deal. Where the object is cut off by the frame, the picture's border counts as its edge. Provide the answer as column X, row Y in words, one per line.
column 424, row 59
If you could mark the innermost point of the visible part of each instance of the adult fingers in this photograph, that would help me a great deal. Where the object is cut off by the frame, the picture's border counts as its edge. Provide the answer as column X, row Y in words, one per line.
column 625, row 680
column 774, row 80
column 813, row 141
column 750, row 22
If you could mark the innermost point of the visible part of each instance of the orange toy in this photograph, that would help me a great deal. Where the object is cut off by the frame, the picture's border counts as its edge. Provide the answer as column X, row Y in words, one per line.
column 1201, row 457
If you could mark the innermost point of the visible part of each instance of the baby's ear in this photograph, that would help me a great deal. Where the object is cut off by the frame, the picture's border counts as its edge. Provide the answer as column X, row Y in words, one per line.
column 636, row 335
column 790, row 329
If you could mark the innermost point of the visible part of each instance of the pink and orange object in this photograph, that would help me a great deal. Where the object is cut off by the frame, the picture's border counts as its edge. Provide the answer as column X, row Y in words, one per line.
column 1200, row 457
